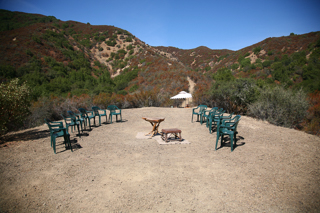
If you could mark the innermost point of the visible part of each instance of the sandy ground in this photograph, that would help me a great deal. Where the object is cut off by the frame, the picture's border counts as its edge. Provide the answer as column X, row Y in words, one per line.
column 273, row 169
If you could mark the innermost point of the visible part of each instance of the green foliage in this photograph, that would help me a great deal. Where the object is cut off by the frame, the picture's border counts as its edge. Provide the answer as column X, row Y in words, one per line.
column 280, row 107
column 128, row 39
column 235, row 66
column 129, row 47
column 266, row 63
column 222, row 57
column 311, row 73
column 270, row 52
column 256, row 50
column 36, row 39
column 134, row 88
column 14, row 105
column 223, row 74
column 234, row 96
column 11, row 20
column 111, row 43
column 65, row 25
column 245, row 62
column 7, row 72
column 207, row 68
column 124, row 78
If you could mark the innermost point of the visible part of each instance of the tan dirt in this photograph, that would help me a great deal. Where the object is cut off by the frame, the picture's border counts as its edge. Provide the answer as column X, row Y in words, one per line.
column 273, row 169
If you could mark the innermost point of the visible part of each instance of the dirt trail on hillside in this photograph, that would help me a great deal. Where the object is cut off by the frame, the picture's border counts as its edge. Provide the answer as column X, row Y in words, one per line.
column 273, row 169
column 192, row 84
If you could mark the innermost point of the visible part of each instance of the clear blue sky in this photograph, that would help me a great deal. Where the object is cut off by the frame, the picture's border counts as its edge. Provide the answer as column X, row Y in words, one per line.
column 186, row 24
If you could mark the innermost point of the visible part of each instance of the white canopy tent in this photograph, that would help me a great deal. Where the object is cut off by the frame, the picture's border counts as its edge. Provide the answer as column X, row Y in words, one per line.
column 182, row 95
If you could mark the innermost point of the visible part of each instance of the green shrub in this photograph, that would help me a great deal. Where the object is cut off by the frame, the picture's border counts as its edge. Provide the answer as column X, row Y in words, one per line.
column 270, row 52
column 129, row 47
column 280, row 107
column 14, row 105
column 128, row 39
column 133, row 88
column 234, row 96
column 256, row 50
column 235, row 66
column 207, row 68
column 36, row 39
column 223, row 74
column 245, row 62
column 266, row 63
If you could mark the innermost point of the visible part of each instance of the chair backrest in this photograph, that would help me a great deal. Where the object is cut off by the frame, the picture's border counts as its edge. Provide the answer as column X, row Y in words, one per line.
column 51, row 126
column 47, row 121
column 83, row 112
column 214, row 109
column 112, row 108
column 237, row 120
column 202, row 108
column 95, row 109
column 71, row 113
column 64, row 118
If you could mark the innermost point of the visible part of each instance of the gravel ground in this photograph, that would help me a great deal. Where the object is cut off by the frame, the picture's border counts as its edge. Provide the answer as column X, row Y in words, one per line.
column 273, row 169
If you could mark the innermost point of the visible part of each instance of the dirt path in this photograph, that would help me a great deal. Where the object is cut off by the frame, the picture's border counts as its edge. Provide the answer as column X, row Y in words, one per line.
column 191, row 90
column 273, row 169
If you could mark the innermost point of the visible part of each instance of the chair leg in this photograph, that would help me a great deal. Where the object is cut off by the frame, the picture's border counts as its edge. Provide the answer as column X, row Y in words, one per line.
column 68, row 137
column 79, row 130
column 89, row 123
column 231, row 142
column 121, row 117
column 218, row 135
column 54, row 145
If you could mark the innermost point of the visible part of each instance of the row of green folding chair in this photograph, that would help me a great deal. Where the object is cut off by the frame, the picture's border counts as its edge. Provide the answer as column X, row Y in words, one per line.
column 225, row 124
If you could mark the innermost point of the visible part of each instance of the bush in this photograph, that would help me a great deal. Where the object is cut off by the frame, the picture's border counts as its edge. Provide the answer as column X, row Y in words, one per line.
column 256, row 50
column 270, row 52
column 266, row 63
column 223, row 74
column 235, row 66
column 245, row 62
column 280, row 107
column 234, row 96
column 14, row 105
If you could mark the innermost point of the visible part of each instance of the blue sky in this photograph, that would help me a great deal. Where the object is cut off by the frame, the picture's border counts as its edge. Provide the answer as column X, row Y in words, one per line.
column 187, row 24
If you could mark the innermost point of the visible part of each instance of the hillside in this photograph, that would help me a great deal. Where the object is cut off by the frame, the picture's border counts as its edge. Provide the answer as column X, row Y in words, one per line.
column 59, row 49
column 65, row 60
column 78, row 57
